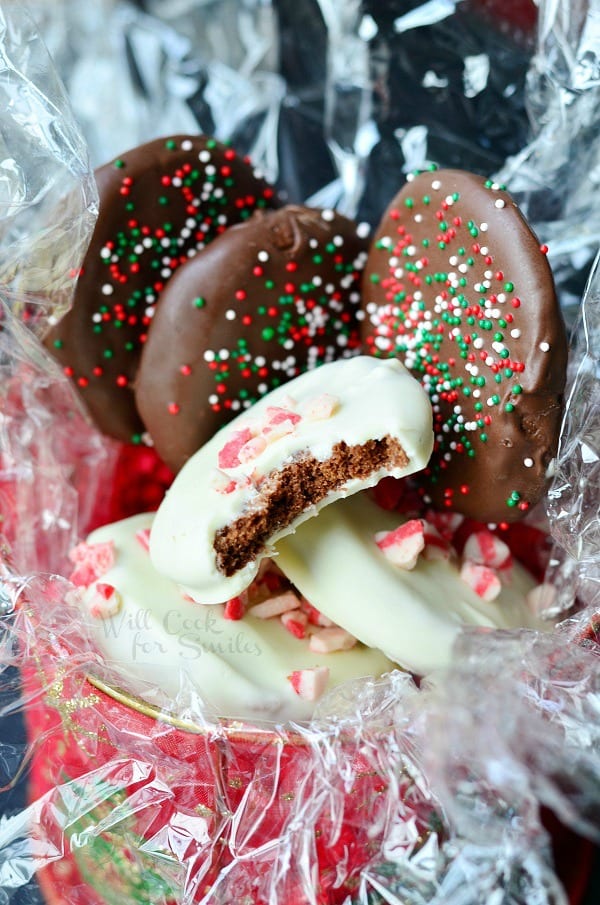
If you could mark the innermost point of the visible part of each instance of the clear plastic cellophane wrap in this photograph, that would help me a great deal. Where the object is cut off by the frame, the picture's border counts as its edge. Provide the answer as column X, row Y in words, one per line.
column 457, row 790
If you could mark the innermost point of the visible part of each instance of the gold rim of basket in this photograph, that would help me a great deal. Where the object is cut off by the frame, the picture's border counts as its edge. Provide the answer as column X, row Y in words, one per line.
column 225, row 728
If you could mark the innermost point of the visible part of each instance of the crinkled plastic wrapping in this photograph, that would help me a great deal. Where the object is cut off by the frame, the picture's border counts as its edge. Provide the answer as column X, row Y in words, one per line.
column 394, row 793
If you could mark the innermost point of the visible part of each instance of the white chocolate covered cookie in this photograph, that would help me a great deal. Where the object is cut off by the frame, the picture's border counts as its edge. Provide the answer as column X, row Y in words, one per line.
column 265, row 665
column 323, row 436
column 405, row 593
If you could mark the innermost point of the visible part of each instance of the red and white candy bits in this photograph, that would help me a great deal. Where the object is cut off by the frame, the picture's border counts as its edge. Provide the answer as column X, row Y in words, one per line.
column 310, row 683
column 102, row 600
column 403, row 545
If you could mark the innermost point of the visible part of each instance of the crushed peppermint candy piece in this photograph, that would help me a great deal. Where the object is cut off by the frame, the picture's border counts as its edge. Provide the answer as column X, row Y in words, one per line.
column 403, row 545
column 321, row 407
column 143, row 538
column 92, row 561
column 252, row 449
column 234, row 608
column 277, row 415
column 229, row 454
column 315, row 616
column 222, row 483
column 295, row 621
column 447, row 523
column 485, row 548
column 310, row 683
column 481, row 579
column 436, row 546
column 275, row 606
column 102, row 600
column 327, row 640
column 280, row 422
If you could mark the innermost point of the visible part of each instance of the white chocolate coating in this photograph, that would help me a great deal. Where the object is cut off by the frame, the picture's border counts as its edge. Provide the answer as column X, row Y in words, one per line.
column 239, row 668
column 375, row 399
column 413, row 615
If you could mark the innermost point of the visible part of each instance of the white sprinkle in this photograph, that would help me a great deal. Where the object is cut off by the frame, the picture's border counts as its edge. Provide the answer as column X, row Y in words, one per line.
column 363, row 230
column 327, row 215
column 105, row 253
column 176, row 181
column 337, row 241
column 544, row 347
column 107, row 289
column 418, row 218
column 515, row 333
column 263, row 256
column 484, row 228
column 210, row 171
column 213, row 399
column 230, row 314
column 499, row 203
column 186, row 145
column 204, row 156
column 96, row 318
column 528, row 463
column 436, row 184
column 209, row 356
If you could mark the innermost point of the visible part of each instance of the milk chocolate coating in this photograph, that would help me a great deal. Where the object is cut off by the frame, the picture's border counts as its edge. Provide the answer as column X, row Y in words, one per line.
column 457, row 286
column 264, row 302
column 159, row 204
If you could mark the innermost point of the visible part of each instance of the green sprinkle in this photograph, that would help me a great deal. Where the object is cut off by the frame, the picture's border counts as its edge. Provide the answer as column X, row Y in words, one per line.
column 268, row 333
column 58, row 344
column 170, row 145
column 509, row 407
column 509, row 287
column 517, row 389
column 119, row 164
column 199, row 302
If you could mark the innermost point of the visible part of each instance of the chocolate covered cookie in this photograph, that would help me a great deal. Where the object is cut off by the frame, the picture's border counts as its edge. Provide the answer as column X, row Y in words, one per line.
column 267, row 300
column 458, row 287
column 159, row 204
